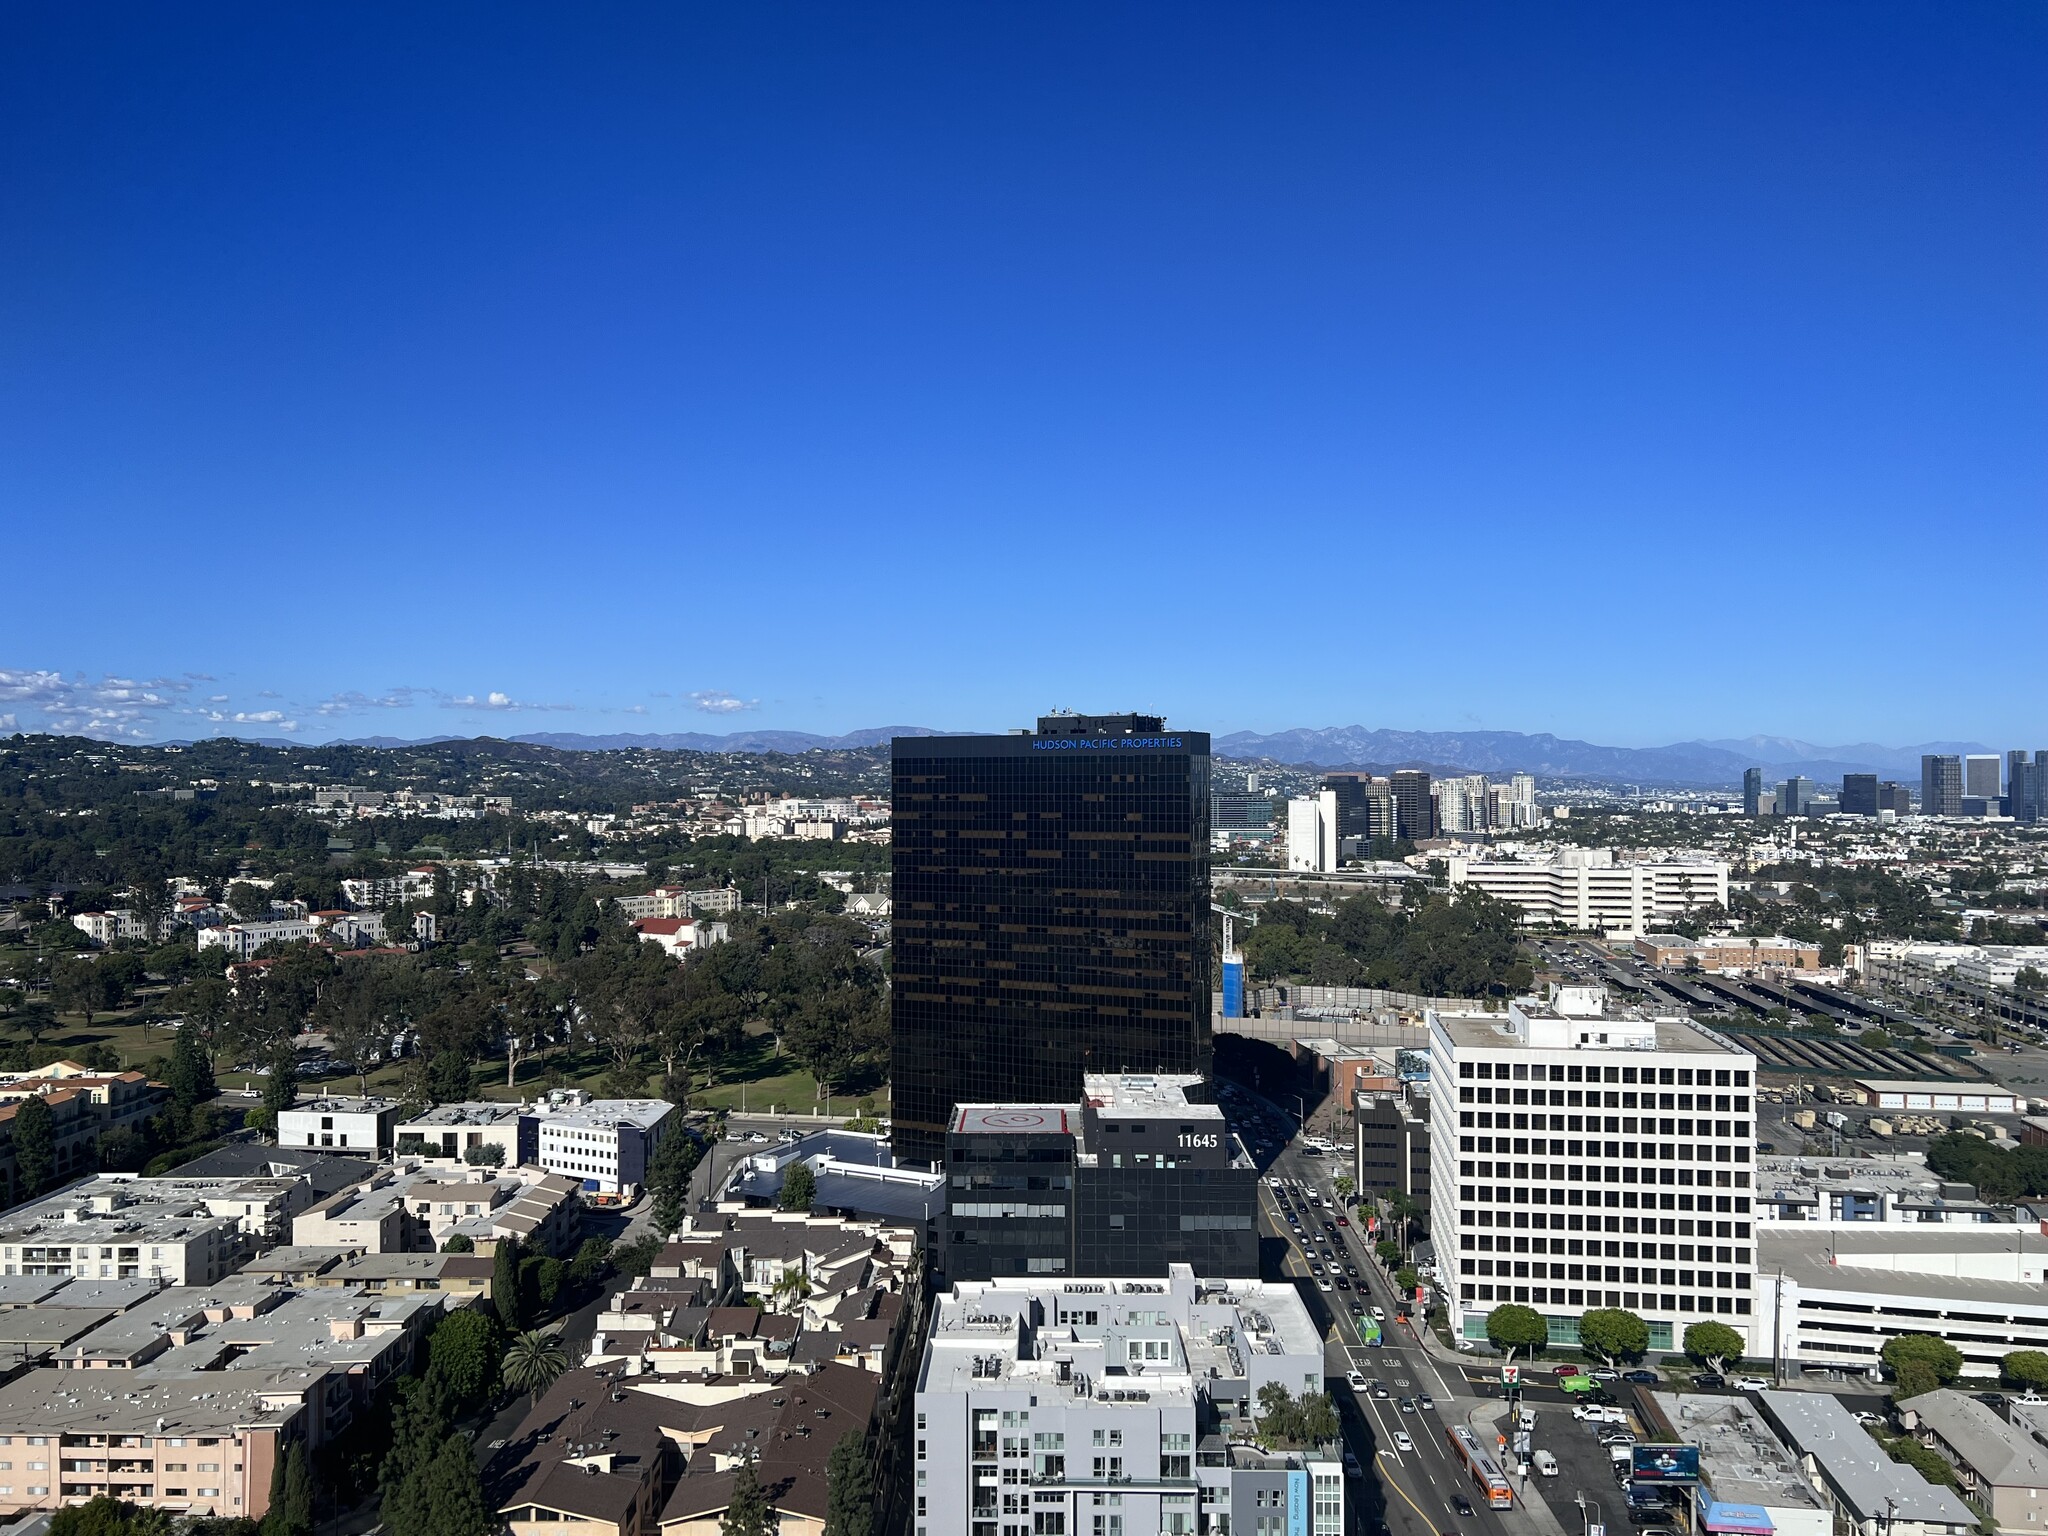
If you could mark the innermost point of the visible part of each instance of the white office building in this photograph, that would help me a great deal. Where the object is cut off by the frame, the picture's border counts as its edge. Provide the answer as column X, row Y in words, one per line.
column 1116, row 1408
column 1312, row 834
column 606, row 1143
column 1587, row 890
column 351, row 1126
column 1583, row 1156
column 241, row 940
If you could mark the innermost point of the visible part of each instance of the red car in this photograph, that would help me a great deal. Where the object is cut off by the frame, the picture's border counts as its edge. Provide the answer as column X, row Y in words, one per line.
column 1567, row 1370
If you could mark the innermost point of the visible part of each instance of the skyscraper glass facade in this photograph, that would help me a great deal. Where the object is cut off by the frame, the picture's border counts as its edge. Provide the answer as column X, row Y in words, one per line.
column 1051, row 915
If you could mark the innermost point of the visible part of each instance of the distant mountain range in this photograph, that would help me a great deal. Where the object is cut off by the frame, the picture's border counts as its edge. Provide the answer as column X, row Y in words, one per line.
column 1699, row 764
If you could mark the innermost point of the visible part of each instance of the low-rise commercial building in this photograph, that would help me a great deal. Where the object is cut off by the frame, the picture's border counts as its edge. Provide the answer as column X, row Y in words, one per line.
column 1942, row 1097
column 1676, row 952
column 1859, row 1192
column 121, row 1101
column 1750, row 1483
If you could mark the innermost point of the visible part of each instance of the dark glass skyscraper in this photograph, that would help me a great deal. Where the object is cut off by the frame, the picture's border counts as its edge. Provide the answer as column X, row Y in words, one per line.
column 1051, row 915
column 1859, row 794
column 1414, row 812
column 1752, row 791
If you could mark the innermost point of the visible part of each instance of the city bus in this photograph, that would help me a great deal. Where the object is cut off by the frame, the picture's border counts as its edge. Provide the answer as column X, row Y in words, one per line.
column 1368, row 1332
column 1486, row 1472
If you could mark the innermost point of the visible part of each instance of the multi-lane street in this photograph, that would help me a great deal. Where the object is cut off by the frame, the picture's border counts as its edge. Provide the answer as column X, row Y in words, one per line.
column 1409, row 1479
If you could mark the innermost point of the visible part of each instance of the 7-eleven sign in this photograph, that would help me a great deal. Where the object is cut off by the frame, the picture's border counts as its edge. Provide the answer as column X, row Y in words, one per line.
column 1511, row 1375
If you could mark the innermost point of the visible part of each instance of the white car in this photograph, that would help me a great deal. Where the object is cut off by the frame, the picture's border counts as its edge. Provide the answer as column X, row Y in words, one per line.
column 1598, row 1413
column 1379, row 1315
column 1355, row 1380
column 1750, row 1384
column 1402, row 1441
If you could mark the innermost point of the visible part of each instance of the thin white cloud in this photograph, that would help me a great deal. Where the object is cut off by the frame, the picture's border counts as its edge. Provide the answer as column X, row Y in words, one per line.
column 494, row 700
column 115, row 708
column 6, row 722
column 716, row 701
column 353, row 701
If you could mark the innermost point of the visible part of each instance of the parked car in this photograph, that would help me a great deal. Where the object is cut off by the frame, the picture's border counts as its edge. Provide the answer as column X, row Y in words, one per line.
column 1641, row 1378
column 1604, row 1374
column 1545, row 1464
column 1752, row 1384
column 1598, row 1413
column 1707, row 1381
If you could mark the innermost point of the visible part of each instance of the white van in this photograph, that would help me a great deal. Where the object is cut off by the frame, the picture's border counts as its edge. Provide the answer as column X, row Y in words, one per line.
column 1526, row 1419
column 1546, row 1464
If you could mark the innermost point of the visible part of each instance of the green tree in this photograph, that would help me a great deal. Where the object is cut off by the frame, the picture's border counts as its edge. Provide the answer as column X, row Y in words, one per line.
column 291, row 1495
column 189, row 1075
column 1614, row 1334
column 1388, row 1251
column 462, row 1355
column 589, row 1263
column 637, row 1257
column 445, row 1497
column 485, row 1154
column 1343, row 1185
column 849, row 1490
column 458, row 1242
column 799, row 1187
column 1714, row 1345
column 35, row 1145
column 1318, row 1418
column 1405, row 1281
column 2026, row 1368
column 102, row 1516
column 505, row 1284
column 1513, row 1328
column 535, row 1361
column 1921, row 1362
column 419, row 1422
column 35, row 1019
column 281, row 1088
column 747, row 1512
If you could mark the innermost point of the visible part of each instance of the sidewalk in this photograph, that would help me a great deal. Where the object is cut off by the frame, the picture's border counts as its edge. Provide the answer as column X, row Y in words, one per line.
column 1485, row 1421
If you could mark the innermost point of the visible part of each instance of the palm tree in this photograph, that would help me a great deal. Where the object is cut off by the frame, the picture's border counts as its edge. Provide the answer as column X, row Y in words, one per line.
column 535, row 1361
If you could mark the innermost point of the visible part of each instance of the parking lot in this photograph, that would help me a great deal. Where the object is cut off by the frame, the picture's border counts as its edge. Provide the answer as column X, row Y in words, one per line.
column 1585, row 1466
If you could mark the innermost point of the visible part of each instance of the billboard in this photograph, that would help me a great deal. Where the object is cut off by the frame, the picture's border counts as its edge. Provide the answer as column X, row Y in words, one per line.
column 1665, row 1464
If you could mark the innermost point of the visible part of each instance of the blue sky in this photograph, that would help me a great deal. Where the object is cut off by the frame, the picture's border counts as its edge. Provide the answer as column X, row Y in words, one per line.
column 1630, row 372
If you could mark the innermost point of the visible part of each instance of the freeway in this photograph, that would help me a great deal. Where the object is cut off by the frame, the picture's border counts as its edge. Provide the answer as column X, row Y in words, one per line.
column 1407, row 1492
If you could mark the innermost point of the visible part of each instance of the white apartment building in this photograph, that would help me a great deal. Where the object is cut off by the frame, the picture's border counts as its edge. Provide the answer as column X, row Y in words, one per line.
column 241, row 940
column 606, row 1143
column 1462, row 804
column 1583, row 1156
column 389, row 890
column 105, row 927
column 361, row 1127
column 1312, row 833
column 1075, row 1408
column 121, row 1228
column 1587, row 890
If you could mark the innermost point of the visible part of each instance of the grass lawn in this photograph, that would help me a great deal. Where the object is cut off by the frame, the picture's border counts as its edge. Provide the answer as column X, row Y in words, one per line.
column 753, row 1078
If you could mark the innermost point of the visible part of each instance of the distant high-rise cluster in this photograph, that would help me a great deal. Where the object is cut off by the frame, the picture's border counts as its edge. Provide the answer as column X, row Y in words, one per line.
column 1951, row 784
column 1360, row 816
